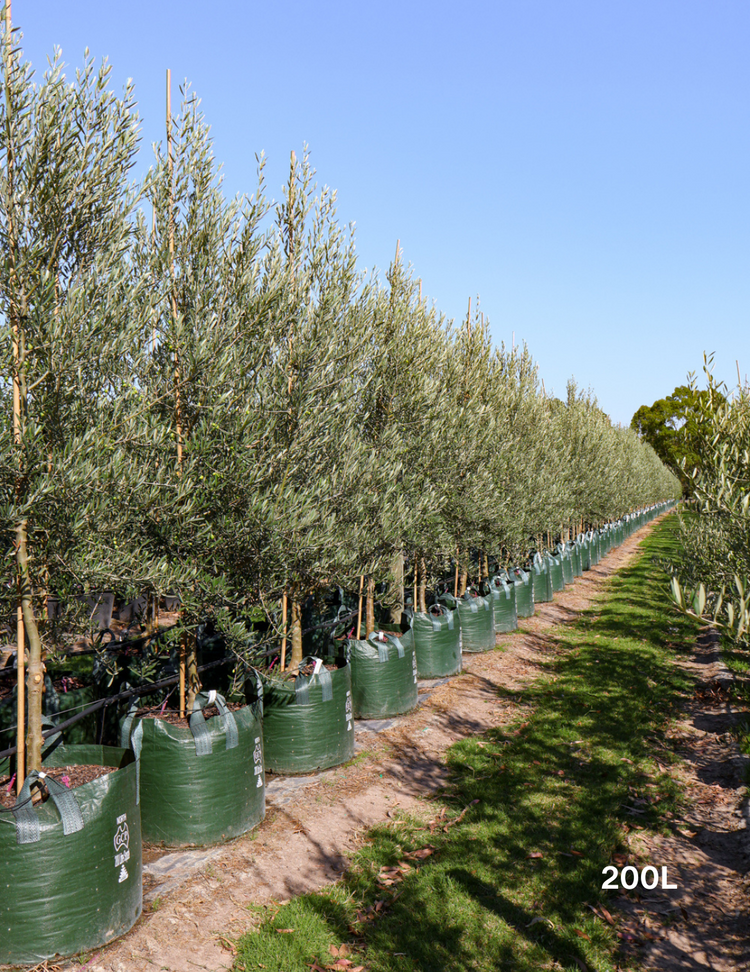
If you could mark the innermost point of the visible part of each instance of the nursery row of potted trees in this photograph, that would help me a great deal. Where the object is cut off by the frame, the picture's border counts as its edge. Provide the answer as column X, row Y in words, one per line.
column 207, row 398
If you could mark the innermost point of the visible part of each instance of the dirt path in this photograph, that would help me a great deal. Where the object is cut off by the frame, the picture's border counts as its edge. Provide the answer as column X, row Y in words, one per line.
column 705, row 922
column 196, row 902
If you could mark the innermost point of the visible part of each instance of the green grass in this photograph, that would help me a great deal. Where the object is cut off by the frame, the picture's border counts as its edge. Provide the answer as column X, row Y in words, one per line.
column 548, row 799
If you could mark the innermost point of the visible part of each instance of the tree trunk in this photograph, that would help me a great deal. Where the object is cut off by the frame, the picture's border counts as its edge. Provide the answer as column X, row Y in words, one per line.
column 370, row 611
column 193, row 678
column 423, row 587
column 397, row 568
column 34, row 741
column 464, row 575
column 296, row 627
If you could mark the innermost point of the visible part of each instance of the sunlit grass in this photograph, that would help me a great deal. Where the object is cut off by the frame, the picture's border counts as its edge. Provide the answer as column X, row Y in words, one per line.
column 548, row 802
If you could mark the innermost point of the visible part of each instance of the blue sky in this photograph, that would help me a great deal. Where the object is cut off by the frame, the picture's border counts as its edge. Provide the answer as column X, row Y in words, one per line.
column 582, row 166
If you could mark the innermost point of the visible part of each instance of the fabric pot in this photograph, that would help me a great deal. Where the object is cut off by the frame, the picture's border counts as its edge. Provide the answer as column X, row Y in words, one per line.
column 307, row 722
column 77, row 883
column 542, row 580
column 384, row 675
column 555, row 573
column 503, row 594
column 565, row 557
column 203, row 784
column 584, row 549
column 437, row 642
column 476, row 619
column 524, row 587
column 594, row 552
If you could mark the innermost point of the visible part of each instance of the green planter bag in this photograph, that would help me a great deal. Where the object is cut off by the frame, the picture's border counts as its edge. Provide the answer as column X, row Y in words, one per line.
column 554, row 565
column 594, row 552
column 203, row 784
column 524, row 588
column 308, row 721
column 542, row 579
column 503, row 596
column 437, row 642
column 71, row 867
column 476, row 620
column 566, row 559
column 384, row 675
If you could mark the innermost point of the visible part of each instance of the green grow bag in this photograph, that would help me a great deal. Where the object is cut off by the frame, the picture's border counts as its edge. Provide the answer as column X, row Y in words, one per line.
column 583, row 550
column 524, row 586
column 475, row 617
column 565, row 557
column 437, row 642
column 503, row 596
column 203, row 784
column 307, row 722
column 542, row 580
column 575, row 558
column 593, row 540
column 68, row 893
column 555, row 573
column 384, row 675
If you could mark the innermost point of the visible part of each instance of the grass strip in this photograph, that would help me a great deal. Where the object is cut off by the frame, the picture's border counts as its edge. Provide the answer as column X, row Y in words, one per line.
column 504, row 874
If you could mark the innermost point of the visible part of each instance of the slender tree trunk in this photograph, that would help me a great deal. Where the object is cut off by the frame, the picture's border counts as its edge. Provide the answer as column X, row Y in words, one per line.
column 486, row 567
column 423, row 587
column 296, row 627
column 464, row 575
column 21, row 697
column 397, row 568
column 34, row 741
column 370, row 609
column 193, row 678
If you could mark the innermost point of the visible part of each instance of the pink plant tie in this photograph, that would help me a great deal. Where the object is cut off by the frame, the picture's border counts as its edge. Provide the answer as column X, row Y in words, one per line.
column 12, row 781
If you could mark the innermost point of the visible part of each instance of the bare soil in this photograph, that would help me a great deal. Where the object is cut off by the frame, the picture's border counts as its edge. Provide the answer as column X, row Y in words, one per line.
column 196, row 902
column 70, row 776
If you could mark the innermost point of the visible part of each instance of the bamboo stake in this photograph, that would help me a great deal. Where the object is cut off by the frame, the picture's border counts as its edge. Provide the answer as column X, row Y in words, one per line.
column 20, row 631
column 416, row 586
column 283, row 640
column 455, row 583
column 370, row 607
column 359, row 611
column 177, row 394
column 170, row 165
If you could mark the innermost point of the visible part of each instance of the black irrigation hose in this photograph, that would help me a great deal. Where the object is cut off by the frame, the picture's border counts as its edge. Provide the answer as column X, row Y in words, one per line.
column 110, row 700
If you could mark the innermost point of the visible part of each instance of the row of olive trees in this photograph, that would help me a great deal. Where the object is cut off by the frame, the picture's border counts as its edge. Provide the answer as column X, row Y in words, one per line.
column 206, row 397
column 711, row 578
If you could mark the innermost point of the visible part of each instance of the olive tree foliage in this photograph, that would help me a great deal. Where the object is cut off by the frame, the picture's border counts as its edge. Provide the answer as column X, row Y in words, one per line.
column 66, row 151
column 711, row 578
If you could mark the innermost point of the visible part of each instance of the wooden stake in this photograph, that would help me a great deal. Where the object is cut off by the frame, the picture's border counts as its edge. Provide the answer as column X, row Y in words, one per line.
column 170, row 167
column 416, row 586
column 739, row 379
column 455, row 583
column 468, row 322
column 283, row 640
column 183, row 666
column 359, row 611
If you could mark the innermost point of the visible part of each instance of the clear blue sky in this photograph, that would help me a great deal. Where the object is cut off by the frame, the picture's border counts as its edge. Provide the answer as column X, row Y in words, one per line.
column 581, row 165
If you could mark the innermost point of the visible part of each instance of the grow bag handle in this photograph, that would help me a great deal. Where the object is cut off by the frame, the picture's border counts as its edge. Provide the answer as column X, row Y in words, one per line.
column 538, row 563
column 199, row 729
column 27, row 822
column 497, row 581
column 303, row 682
column 472, row 599
column 522, row 574
column 444, row 611
column 381, row 640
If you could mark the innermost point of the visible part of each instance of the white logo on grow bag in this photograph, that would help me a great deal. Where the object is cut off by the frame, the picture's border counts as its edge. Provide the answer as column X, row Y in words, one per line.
column 258, row 761
column 414, row 665
column 122, row 845
column 348, row 712
column 123, row 874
